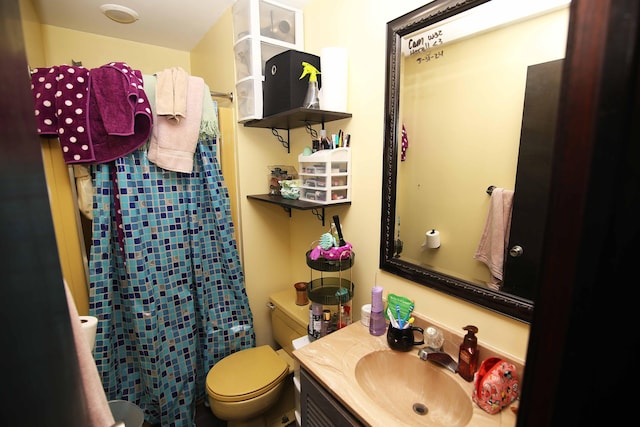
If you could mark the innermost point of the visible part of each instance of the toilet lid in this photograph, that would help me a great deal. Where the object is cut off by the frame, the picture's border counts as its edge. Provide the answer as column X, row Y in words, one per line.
column 246, row 374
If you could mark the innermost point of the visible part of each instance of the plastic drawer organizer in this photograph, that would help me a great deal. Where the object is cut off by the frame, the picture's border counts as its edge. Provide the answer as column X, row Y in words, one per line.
column 261, row 29
column 326, row 176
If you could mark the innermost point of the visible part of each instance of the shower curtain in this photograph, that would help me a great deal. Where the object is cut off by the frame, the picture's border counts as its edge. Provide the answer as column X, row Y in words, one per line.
column 166, row 282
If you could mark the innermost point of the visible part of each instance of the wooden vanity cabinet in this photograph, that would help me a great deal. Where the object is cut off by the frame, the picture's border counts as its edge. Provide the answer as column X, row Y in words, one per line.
column 319, row 408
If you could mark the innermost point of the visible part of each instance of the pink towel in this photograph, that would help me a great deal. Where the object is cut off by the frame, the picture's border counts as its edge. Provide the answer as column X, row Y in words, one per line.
column 495, row 237
column 173, row 144
column 97, row 410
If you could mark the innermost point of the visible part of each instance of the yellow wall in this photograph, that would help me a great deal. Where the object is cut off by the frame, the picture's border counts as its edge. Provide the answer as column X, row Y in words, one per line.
column 63, row 45
column 32, row 34
column 273, row 244
column 210, row 60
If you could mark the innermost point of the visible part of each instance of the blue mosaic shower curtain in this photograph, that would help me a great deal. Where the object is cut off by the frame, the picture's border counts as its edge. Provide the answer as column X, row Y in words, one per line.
column 165, row 282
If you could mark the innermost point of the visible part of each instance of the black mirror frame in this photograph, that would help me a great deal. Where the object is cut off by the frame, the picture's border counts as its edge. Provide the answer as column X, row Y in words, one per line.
column 505, row 304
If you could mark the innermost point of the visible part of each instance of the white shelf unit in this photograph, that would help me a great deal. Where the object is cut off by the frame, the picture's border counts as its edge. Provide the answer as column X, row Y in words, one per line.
column 262, row 29
column 326, row 176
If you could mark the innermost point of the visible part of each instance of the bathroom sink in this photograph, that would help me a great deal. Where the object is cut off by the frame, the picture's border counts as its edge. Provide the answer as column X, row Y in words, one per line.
column 416, row 392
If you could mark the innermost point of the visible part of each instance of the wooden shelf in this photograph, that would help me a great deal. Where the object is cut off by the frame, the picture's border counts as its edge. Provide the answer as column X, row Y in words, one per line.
column 302, row 205
column 298, row 117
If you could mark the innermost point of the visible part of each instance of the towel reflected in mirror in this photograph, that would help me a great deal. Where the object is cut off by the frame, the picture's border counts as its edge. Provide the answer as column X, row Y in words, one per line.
column 495, row 235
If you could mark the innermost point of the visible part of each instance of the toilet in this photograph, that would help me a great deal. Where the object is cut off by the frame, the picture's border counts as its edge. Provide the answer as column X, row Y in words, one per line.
column 245, row 387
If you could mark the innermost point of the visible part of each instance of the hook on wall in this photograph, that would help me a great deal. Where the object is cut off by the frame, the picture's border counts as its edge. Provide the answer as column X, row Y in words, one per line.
column 490, row 189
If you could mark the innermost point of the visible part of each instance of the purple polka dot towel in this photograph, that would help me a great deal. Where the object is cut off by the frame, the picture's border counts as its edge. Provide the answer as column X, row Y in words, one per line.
column 97, row 119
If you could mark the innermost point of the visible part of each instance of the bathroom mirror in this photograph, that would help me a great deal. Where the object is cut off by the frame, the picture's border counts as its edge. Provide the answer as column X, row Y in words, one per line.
column 471, row 95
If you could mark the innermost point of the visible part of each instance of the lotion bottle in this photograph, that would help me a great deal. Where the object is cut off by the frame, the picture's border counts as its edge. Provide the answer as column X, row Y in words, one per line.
column 377, row 322
column 468, row 354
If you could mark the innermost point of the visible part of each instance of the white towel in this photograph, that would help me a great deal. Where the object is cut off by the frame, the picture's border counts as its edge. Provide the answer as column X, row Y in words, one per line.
column 97, row 411
column 495, row 236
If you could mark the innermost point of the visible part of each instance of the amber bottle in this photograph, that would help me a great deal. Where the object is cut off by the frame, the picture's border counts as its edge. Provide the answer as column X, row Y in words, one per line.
column 468, row 355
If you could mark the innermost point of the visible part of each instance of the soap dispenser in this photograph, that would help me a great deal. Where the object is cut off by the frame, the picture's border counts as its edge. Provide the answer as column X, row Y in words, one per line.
column 468, row 354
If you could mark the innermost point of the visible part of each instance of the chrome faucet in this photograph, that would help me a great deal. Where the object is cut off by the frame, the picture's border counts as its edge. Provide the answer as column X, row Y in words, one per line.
column 439, row 357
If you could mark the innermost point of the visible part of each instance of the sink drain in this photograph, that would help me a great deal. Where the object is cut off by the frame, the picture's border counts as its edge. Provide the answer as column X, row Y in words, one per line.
column 420, row 409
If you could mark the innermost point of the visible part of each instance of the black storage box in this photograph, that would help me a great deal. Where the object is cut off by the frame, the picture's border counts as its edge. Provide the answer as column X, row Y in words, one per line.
column 283, row 89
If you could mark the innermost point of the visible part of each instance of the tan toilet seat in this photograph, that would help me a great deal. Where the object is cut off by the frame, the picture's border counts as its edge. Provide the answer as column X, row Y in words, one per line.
column 246, row 374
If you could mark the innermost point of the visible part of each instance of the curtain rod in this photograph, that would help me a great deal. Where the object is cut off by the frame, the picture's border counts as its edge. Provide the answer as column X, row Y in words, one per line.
column 228, row 95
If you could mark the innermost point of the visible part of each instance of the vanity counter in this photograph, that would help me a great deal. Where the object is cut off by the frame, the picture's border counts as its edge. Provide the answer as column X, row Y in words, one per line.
column 332, row 361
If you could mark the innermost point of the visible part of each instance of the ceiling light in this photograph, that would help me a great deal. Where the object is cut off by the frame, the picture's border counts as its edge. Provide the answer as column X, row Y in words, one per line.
column 119, row 13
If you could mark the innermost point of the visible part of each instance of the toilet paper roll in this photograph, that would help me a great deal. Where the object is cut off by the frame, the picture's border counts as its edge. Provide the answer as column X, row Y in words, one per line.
column 89, row 326
column 433, row 239
column 334, row 72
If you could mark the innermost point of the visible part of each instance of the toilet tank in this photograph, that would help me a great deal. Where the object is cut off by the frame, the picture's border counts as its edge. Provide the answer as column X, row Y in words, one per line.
column 288, row 320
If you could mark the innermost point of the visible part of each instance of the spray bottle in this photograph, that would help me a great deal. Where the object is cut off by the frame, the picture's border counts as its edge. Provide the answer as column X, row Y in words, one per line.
column 312, row 98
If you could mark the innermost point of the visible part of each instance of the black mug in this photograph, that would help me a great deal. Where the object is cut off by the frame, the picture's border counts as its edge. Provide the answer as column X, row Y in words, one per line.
column 404, row 339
